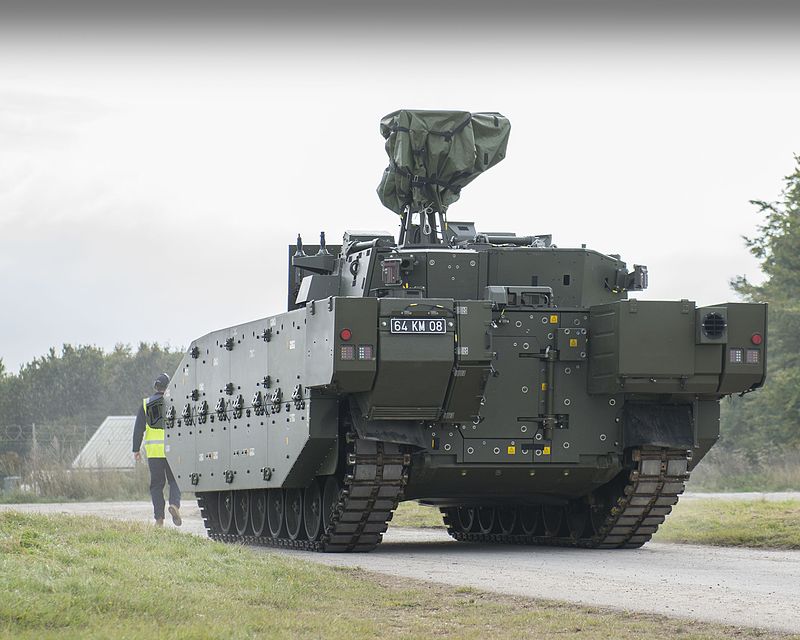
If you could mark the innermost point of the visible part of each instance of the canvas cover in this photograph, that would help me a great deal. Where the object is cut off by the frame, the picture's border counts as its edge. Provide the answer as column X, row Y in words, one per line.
column 434, row 154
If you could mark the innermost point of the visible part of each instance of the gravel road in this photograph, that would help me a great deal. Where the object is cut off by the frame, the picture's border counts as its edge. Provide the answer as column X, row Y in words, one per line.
column 733, row 586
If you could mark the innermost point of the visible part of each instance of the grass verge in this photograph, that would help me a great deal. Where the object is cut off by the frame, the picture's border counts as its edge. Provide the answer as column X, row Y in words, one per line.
column 729, row 523
column 414, row 514
column 726, row 470
column 734, row 523
column 78, row 577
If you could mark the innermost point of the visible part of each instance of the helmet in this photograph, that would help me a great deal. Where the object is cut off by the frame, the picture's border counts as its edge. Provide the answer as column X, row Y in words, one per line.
column 161, row 383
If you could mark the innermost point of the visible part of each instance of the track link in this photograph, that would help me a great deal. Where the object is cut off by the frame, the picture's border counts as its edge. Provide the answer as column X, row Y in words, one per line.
column 372, row 485
column 623, row 516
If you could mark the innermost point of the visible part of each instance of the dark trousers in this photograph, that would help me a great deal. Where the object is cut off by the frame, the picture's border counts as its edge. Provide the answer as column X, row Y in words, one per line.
column 160, row 474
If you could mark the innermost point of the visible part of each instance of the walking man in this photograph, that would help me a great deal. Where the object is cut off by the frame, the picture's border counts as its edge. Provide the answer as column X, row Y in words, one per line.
column 150, row 426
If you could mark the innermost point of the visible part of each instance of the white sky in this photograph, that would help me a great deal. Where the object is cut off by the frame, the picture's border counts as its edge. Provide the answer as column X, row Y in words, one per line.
column 149, row 184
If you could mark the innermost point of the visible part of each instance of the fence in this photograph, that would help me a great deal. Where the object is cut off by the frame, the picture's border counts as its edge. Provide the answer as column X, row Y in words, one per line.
column 41, row 455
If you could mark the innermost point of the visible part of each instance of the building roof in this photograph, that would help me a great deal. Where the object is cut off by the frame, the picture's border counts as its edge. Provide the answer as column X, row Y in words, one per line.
column 110, row 446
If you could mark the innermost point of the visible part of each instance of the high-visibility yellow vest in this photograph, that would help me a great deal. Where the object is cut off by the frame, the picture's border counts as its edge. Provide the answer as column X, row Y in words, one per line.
column 153, row 437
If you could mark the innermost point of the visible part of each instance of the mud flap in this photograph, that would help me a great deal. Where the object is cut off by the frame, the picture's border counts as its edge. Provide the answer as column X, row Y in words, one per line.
column 658, row 425
column 400, row 431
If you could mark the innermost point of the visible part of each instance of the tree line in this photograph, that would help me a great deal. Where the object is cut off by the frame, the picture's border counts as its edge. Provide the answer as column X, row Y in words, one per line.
column 82, row 384
column 768, row 420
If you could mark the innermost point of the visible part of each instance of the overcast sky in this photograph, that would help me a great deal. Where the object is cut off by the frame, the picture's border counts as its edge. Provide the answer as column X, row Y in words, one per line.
column 154, row 164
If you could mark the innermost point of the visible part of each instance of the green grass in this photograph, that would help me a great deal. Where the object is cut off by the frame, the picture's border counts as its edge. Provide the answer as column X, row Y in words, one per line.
column 734, row 523
column 770, row 470
column 729, row 523
column 413, row 514
column 55, row 482
column 79, row 577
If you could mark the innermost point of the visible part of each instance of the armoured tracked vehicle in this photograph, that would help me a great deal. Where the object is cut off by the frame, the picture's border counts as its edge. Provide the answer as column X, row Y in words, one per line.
column 507, row 381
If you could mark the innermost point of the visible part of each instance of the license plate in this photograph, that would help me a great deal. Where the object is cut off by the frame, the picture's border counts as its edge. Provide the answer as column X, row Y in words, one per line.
column 417, row 325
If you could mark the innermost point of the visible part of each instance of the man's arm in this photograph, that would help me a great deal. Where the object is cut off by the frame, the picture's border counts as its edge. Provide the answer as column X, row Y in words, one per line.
column 138, row 431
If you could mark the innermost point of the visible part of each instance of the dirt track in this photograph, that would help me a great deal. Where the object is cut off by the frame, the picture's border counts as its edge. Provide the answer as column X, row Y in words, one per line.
column 733, row 586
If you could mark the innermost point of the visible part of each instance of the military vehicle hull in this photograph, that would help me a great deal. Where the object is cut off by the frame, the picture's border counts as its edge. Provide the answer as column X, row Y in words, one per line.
column 517, row 388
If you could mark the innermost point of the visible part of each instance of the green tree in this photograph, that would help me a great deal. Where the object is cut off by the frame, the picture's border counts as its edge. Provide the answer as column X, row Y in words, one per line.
column 80, row 385
column 770, row 418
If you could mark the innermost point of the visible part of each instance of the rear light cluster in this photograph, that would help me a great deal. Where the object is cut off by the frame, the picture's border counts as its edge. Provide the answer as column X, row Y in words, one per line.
column 353, row 352
column 363, row 352
column 742, row 356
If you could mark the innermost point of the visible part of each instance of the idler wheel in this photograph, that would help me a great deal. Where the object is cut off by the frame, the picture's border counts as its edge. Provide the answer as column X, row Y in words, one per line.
column 330, row 499
column 486, row 518
column 577, row 519
column 507, row 520
column 275, row 504
column 258, row 511
column 211, row 504
column 312, row 510
column 294, row 513
column 225, row 511
column 241, row 512
column 599, row 515
column 465, row 517
column 529, row 519
column 552, row 517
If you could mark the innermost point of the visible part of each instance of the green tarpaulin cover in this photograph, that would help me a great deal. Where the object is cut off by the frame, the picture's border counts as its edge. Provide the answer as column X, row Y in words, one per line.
column 434, row 154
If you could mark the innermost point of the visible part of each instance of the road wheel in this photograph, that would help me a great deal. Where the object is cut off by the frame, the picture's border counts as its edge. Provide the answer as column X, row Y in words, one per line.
column 486, row 518
column 258, row 511
column 293, row 513
column 225, row 511
column 241, row 512
column 275, row 507
column 529, row 519
column 312, row 510
column 465, row 517
column 507, row 520
column 552, row 517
